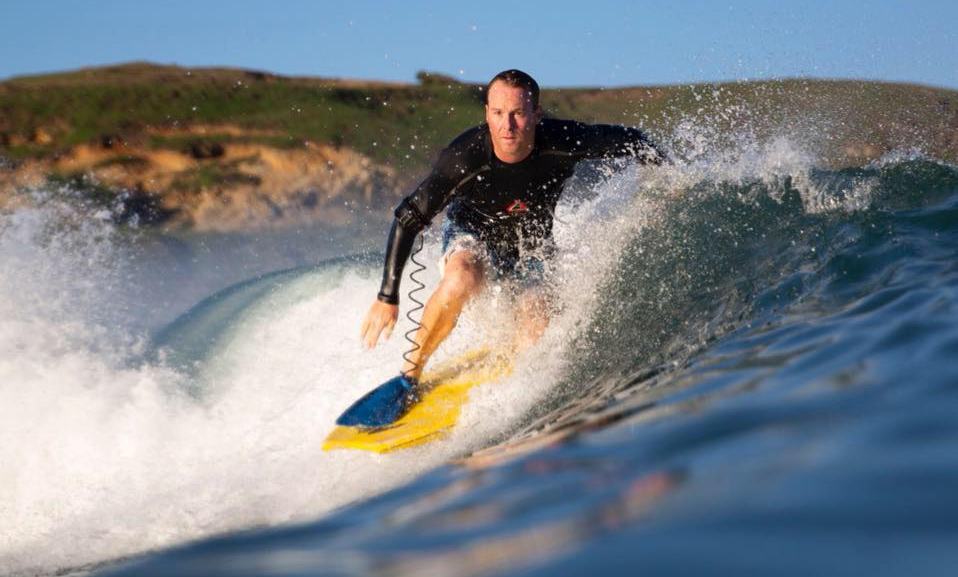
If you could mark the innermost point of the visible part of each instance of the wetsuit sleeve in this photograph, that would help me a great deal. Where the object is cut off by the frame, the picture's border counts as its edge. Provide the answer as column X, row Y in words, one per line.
column 415, row 213
column 613, row 141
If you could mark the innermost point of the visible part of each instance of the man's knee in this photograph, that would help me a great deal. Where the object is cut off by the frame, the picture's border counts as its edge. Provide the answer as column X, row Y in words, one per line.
column 536, row 305
column 463, row 276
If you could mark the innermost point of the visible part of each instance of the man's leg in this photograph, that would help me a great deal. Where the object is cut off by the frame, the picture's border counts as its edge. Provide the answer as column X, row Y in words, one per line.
column 463, row 277
column 533, row 311
column 535, row 303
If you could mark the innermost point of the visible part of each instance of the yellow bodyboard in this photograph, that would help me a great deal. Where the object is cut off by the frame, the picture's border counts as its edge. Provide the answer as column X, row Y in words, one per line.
column 444, row 391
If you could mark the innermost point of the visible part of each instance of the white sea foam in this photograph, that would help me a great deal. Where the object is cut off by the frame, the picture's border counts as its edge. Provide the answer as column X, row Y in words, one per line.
column 105, row 455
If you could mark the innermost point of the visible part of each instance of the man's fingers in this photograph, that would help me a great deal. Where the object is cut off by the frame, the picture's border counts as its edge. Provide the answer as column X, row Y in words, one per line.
column 376, row 329
column 372, row 336
column 379, row 321
column 369, row 332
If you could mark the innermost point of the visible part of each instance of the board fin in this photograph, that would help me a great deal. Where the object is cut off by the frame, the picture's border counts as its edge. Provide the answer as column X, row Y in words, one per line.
column 381, row 406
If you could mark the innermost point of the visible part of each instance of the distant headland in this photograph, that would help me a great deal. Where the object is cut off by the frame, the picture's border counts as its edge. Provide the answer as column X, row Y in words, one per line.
column 226, row 149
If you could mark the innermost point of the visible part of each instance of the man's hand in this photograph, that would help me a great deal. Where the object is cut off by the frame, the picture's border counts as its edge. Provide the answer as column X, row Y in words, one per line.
column 381, row 317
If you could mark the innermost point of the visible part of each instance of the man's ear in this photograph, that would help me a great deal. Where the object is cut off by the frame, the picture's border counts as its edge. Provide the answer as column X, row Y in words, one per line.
column 538, row 114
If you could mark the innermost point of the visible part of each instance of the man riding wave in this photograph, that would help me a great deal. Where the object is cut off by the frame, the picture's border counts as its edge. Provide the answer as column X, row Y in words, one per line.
column 501, row 182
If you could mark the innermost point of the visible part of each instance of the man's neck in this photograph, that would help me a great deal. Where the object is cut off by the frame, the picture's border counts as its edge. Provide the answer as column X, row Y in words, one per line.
column 513, row 158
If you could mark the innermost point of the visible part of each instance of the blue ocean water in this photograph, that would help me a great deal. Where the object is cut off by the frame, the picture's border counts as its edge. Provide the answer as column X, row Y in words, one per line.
column 754, row 372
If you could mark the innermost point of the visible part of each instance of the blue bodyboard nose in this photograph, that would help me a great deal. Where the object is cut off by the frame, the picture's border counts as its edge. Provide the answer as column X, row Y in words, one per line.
column 381, row 406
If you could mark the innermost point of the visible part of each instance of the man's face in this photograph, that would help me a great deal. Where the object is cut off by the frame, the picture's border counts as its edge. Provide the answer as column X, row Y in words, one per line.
column 512, row 121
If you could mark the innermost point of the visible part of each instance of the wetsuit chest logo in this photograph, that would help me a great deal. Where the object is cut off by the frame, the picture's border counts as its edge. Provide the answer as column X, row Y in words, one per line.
column 517, row 206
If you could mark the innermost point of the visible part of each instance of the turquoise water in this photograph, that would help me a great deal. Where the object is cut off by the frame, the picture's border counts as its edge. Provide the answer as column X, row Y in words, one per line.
column 754, row 372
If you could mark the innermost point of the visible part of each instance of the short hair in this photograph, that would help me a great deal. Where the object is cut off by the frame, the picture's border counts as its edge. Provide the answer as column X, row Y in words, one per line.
column 517, row 78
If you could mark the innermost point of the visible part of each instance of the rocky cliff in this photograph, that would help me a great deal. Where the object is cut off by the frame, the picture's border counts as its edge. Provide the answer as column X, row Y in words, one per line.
column 210, row 186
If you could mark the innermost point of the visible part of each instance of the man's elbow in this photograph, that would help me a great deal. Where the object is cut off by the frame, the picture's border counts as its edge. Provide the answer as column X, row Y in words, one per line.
column 409, row 217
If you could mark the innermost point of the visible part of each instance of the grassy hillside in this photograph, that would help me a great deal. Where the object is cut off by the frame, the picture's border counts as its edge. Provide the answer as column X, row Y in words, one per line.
column 388, row 122
column 194, row 146
column 404, row 124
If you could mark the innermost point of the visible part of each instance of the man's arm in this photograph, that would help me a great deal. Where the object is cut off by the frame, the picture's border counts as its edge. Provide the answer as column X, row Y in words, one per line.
column 412, row 215
column 609, row 141
column 408, row 222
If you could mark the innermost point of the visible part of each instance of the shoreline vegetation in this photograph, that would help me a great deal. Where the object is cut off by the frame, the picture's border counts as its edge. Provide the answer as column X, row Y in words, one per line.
column 227, row 149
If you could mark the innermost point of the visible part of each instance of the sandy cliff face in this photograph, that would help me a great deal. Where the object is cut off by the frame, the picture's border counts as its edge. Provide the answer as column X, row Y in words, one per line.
column 211, row 186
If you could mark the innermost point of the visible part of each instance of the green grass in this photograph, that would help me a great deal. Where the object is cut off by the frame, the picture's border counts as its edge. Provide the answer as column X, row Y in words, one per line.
column 26, row 151
column 183, row 143
column 211, row 175
column 124, row 160
column 406, row 125
column 84, row 186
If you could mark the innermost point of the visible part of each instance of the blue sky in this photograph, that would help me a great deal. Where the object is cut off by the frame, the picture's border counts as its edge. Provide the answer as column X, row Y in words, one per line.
column 583, row 43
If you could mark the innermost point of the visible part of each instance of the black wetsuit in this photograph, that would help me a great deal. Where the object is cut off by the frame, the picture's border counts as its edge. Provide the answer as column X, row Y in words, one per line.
column 510, row 207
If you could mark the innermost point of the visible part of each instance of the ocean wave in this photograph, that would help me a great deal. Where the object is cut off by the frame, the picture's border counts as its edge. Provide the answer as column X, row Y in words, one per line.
column 745, row 340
